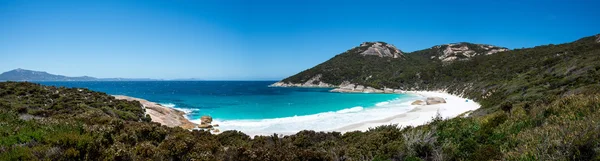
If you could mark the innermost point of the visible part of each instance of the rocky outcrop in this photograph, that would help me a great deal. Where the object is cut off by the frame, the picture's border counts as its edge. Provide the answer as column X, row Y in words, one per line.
column 206, row 124
column 372, row 90
column 206, row 119
column 464, row 51
column 380, row 49
column 164, row 115
column 347, row 87
column 367, row 51
column 598, row 38
column 435, row 100
column 359, row 88
column 314, row 82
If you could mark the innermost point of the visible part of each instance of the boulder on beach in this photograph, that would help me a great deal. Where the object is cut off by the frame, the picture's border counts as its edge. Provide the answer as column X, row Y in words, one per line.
column 435, row 100
column 206, row 119
column 205, row 122
column 418, row 102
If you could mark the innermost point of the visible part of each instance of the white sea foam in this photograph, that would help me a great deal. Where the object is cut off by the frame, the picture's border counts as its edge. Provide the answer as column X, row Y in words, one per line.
column 348, row 110
column 325, row 121
column 168, row 105
column 382, row 103
column 185, row 110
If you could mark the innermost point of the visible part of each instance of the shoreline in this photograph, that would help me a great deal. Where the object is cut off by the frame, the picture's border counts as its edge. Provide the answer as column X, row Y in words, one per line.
column 416, row 116
column 161, row 114
column 399, row 112
column 420, row 114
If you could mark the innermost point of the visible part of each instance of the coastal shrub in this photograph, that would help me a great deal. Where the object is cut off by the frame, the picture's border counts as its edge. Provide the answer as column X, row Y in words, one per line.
column 233, row 138
column 494, row 136
column 420, row 143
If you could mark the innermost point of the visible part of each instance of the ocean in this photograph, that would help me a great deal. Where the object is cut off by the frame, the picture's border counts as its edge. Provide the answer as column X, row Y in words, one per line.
column 255, row 108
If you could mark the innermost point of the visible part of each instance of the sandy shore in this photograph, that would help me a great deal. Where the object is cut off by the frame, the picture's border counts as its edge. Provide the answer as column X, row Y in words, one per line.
column 421, row 114
column 164, row 115
column 418, row 115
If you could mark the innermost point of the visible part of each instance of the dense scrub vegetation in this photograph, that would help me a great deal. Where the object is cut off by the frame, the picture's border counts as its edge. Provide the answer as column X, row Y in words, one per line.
column 537, row 104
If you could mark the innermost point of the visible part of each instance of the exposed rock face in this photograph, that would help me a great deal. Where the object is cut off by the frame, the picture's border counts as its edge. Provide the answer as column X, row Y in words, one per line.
column 388, row 90
column 359, row 88
column 435, row 100
column 381, row 49
column 347, row 87
column 418, row 102
column 368, row 51
column 372, row 90
column 314, row 82
column 464, row 51
column 598, row 38
column 161, row 114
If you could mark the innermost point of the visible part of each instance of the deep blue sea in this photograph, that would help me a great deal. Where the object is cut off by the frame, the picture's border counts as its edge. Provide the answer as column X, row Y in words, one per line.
column 252, row 105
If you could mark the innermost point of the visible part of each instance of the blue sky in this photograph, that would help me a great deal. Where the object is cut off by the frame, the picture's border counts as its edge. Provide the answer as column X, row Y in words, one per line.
column 261, row 40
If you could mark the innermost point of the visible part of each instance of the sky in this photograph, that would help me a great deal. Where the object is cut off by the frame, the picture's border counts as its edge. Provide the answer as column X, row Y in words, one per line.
column 261, row 40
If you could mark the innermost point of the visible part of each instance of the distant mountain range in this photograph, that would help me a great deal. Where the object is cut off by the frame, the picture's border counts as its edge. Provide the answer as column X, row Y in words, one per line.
column 30, row 75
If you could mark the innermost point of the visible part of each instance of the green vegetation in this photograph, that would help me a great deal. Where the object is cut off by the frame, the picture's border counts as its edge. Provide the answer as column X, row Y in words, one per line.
column 535, row 75
column 541, row 103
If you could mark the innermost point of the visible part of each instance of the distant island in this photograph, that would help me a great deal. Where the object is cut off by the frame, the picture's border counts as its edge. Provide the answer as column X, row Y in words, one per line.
column 30, row 75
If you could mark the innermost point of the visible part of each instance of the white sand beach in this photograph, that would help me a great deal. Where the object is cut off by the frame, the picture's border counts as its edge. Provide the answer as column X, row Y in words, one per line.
column 353, row 119
column 398, row 111
column 421, row 114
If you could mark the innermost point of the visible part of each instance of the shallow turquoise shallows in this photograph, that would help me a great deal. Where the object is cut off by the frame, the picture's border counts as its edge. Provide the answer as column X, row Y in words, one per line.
column 236, row 100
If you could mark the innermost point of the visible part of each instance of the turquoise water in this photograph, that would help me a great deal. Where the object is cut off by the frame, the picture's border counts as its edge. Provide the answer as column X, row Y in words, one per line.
column 238, row 100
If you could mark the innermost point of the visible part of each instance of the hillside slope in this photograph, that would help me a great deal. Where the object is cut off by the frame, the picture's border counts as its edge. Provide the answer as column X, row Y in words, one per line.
column 366, row 67
column 532, row 74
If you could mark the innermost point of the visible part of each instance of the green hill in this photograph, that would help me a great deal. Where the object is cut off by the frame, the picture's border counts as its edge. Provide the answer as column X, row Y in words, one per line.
column 540, row 103
column 525, row 75
column 354, row 66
